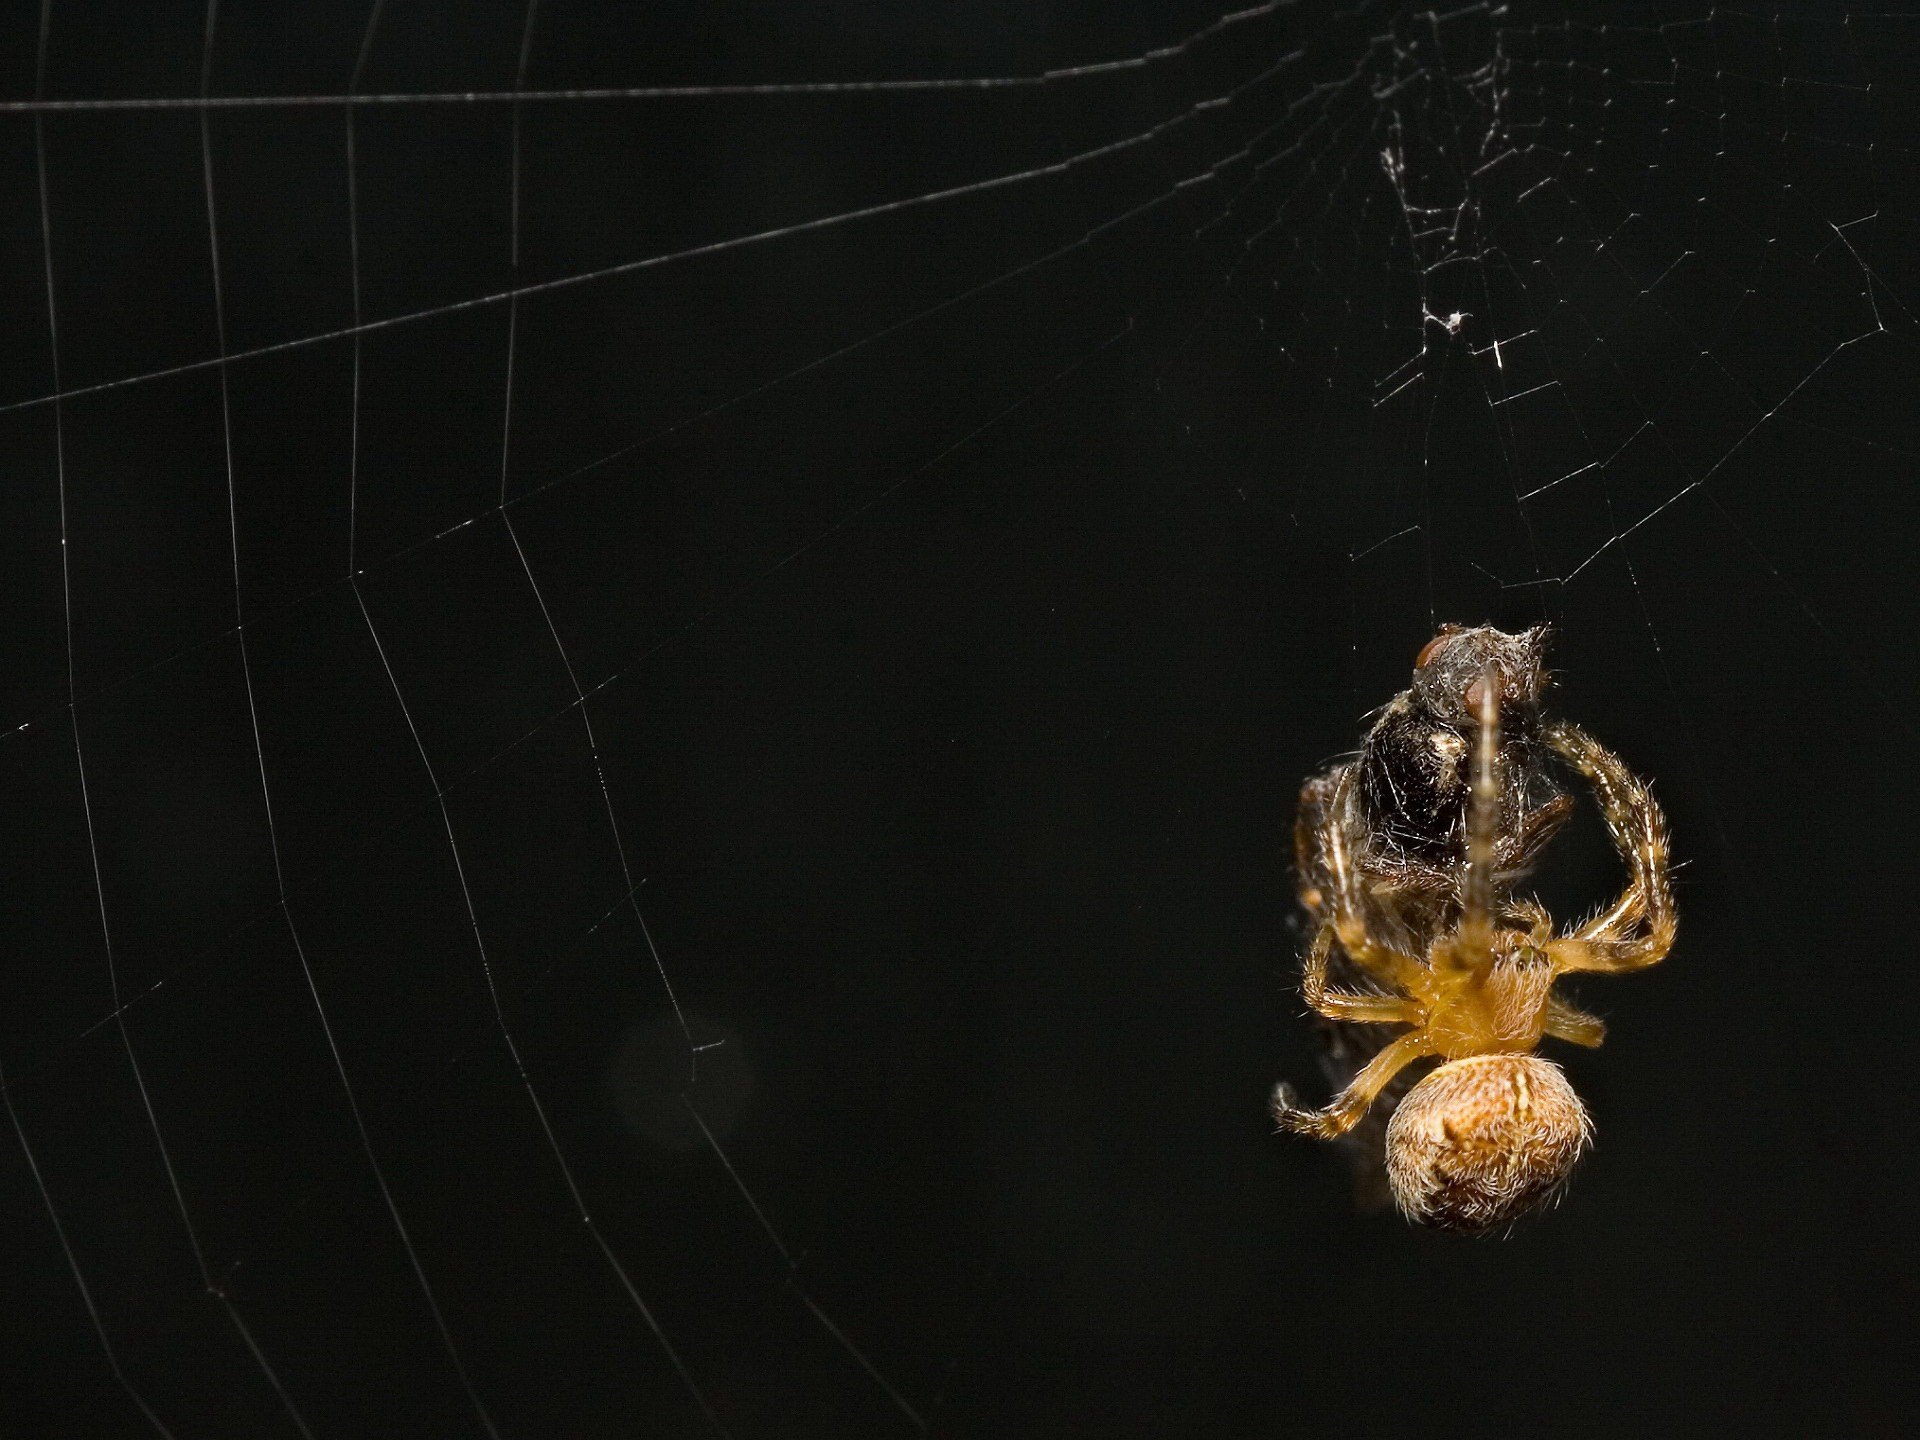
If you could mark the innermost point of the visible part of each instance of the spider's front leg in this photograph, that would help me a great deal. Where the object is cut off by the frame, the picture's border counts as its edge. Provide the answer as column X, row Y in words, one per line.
column 1344, row 1004
column 1347, row 909
column 1473, row 939
column 1352, row 1103
column 1309, row 831
column 1639, row 830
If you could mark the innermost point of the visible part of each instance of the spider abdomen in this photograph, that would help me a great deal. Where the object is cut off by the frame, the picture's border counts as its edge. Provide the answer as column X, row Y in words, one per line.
column 1481, row 1141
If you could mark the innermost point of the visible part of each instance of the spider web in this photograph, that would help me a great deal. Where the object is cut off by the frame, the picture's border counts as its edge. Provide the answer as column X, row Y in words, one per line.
column 659, row 663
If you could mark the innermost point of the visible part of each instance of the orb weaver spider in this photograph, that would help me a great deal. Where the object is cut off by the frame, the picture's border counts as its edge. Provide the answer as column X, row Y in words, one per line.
column 1444, row 949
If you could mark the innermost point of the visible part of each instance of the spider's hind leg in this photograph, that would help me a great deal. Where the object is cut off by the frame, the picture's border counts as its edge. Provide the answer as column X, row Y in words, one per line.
column 1569, row 1022
column 1350, row 1104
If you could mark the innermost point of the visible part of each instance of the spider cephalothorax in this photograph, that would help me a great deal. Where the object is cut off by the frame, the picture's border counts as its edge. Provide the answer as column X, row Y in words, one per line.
column 1430, row 937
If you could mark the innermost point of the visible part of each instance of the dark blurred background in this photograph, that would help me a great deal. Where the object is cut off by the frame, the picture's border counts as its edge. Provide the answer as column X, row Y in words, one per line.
column 959, row 595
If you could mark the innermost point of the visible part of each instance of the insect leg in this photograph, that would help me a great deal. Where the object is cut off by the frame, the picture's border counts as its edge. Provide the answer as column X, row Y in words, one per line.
column 1537, row 829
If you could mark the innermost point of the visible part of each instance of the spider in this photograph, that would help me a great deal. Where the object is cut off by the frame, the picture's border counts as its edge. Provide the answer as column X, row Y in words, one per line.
column 1424, row 917
column 1405, row 815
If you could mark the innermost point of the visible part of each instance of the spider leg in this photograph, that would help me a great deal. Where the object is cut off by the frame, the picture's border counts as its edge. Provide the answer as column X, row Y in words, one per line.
column 1568, row 1022
column 1351, row 1104
column 1348, row 911
column 1617, row 920
column 1532, row 916
column 1639, row 830
column 1316, row 800
column 1345, row 1005
column 1473, row 947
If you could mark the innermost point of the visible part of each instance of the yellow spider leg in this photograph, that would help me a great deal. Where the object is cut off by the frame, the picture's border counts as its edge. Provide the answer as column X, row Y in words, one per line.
column 1483, row 820
column 1348, row 909
column 1344, row 1005
column 1569, row 1022
column 1532, row 917
column 1639, row 830
column 1470, row 947
column 1351, row 1104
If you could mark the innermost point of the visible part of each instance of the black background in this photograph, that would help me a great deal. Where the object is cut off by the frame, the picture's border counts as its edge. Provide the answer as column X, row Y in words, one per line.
column 951, row 695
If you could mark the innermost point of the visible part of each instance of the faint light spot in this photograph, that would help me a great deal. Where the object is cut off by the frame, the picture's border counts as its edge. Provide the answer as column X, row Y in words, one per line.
column 647, row 1080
